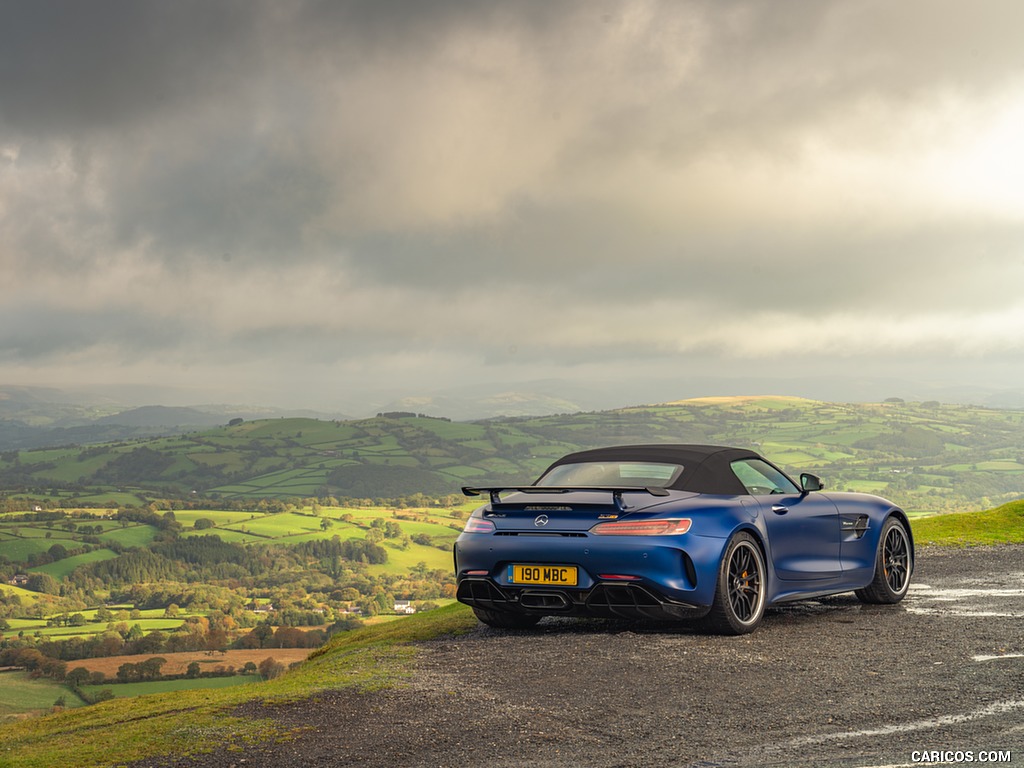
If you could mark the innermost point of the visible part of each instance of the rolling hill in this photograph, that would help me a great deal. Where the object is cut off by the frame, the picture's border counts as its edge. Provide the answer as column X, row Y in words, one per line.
column 926, row 456
column 37, row 417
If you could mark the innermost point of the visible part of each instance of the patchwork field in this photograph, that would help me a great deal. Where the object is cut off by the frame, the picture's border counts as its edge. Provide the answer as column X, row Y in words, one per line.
column 62, row 568
column 21, row 540
column 177, row 663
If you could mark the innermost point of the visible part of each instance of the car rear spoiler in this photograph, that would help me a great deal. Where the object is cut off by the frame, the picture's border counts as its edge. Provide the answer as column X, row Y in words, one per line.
column 615, row 490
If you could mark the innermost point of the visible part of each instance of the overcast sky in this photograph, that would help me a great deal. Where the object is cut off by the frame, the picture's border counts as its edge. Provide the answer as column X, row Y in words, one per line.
column 309, row 203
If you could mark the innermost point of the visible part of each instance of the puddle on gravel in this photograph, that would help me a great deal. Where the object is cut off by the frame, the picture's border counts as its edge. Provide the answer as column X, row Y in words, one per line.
column 996, row 709
column 973, row 601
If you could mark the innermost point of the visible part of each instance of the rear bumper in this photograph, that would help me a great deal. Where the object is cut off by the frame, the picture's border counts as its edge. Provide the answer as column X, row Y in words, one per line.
column 670, row 577
column 627, row 600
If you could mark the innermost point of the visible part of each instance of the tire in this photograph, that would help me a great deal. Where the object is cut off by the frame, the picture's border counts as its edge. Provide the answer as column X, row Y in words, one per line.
column 740, row 591
column 501, row 620
column 894, row 562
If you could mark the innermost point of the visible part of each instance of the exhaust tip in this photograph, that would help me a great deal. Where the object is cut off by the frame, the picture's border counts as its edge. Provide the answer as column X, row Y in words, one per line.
column 549, row 601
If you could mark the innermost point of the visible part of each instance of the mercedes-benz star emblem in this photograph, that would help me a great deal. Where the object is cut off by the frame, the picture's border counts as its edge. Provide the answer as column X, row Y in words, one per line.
column 541, row 521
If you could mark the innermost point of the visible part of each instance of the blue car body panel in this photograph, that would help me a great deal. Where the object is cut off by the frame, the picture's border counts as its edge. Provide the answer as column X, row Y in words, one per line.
column 814, row 543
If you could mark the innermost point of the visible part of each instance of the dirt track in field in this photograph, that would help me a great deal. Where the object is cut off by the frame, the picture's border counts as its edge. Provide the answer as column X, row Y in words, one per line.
column 828, row 683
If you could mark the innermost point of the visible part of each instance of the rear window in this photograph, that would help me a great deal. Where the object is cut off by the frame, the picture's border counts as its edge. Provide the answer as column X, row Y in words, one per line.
column 613, row 473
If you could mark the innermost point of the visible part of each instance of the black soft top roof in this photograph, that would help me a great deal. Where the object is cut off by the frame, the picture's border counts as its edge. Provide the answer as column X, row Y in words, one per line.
column 705, row 467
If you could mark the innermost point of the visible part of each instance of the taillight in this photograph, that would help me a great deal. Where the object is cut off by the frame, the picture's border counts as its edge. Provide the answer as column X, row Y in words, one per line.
column 642, row 527
column 478, row 525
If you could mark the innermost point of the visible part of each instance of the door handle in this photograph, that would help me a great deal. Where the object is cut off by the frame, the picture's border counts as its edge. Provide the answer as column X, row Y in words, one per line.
column 778, row 509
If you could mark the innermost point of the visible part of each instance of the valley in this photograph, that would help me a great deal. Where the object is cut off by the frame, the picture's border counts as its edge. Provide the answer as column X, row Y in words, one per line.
column 271, row 536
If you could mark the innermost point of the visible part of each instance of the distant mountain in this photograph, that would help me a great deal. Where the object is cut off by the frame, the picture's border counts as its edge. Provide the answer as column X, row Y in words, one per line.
column 484, row 406
column 926, row 456
column 549, row 396
column 162, row 416
column 34, row 417
column 15, row 394
column 39, row 417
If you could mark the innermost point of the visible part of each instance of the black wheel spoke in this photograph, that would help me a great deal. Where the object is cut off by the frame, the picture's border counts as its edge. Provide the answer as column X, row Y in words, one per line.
column 742, row 607
column 894, row 564
column 895, row 555
column 744, row 583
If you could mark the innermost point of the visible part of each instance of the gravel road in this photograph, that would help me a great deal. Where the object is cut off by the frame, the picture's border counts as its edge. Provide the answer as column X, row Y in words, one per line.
column 828, row 683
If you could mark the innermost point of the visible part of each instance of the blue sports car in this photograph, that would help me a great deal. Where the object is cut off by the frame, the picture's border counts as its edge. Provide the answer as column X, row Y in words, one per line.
column 674, row 532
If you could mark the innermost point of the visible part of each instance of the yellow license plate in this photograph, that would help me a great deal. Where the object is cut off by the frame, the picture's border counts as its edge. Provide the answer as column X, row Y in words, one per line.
column 550, row 575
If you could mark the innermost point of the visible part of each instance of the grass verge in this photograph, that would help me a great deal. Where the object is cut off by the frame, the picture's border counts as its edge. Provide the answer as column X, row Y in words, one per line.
column 188, row 722
column 1002, row 525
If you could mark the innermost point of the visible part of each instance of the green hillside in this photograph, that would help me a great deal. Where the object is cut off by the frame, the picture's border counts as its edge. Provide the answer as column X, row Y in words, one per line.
column 108, row 733
column 1002, row 525
column 928, row 457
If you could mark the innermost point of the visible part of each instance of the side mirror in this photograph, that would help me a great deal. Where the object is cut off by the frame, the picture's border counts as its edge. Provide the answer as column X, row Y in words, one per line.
column 809, row 482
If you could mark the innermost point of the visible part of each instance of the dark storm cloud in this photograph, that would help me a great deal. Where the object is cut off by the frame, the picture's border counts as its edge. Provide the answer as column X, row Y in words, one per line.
column 70, row 68
column 370, row 183
column 209, row 121
column 228, row 198
column 199, row 120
